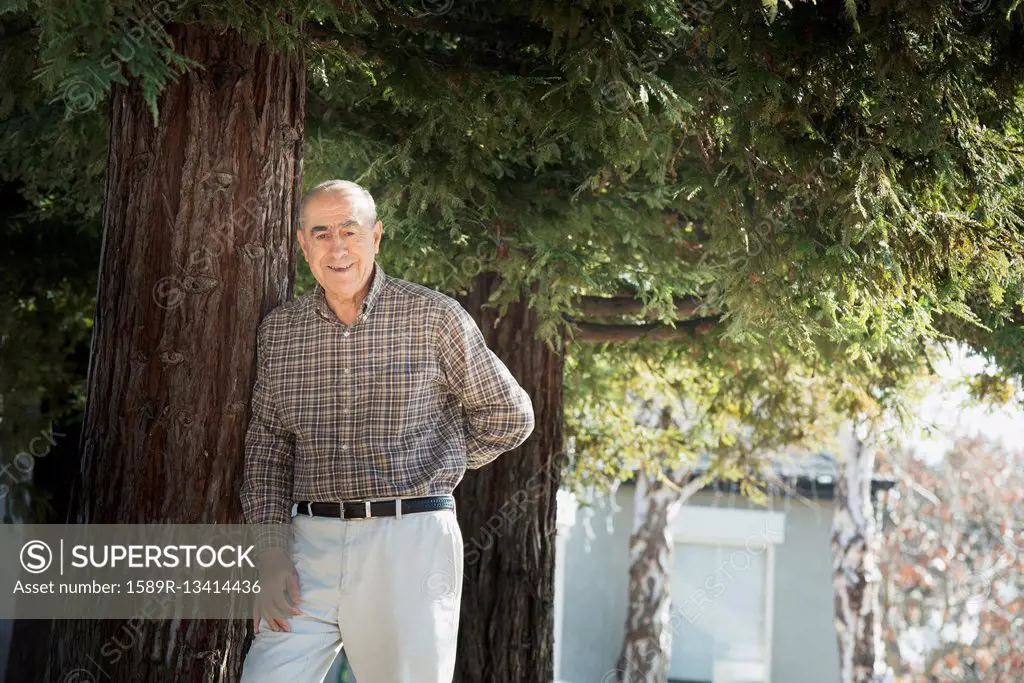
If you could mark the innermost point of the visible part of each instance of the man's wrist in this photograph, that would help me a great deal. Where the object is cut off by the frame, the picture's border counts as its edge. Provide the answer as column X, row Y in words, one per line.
column 272, row 536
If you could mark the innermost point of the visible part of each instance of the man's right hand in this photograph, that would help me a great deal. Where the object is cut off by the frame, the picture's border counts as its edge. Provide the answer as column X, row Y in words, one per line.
column 279, row 591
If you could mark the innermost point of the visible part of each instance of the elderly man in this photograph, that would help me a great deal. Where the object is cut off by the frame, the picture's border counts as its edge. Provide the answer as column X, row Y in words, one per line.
column 373, row 395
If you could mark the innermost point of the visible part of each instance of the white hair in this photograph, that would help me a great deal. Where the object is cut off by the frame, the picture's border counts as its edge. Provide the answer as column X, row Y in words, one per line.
column 345, row 188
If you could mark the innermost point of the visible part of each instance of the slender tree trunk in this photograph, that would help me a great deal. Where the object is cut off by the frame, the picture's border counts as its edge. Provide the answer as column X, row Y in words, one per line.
column 647, row 644
column 856, row 577
column 199, row 215
column 507, row 514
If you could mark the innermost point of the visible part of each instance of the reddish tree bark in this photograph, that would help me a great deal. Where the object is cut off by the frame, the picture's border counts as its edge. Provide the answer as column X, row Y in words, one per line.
column 507, row 515
column 198, row 245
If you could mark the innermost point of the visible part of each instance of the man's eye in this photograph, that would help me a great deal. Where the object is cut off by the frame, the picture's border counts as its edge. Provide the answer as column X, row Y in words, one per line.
column 322, row 236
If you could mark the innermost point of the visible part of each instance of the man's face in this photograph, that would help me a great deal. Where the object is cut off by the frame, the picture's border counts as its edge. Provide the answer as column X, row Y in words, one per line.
column 339, row 241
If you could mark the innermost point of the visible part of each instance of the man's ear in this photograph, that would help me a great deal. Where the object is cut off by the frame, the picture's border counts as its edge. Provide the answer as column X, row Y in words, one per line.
column 302, row 243
column 378, row 230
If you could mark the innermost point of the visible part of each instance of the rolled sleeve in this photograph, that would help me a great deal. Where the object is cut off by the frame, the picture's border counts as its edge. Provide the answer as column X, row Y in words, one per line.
column 269, row 456
column 499, row 412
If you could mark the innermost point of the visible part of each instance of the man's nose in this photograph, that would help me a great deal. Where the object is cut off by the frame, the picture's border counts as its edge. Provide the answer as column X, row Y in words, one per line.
column 339, row 245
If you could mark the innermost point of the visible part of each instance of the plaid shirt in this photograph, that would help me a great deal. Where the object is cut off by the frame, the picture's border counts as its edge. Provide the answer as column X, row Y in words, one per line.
column 400, row 403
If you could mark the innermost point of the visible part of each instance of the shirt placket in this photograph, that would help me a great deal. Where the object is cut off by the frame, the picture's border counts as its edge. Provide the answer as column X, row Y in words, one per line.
column 349, row 383
column 344, row 399
column 348, row 388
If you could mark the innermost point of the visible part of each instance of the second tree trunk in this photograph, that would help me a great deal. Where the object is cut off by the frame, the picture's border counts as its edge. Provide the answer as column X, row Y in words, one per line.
column 507, row 515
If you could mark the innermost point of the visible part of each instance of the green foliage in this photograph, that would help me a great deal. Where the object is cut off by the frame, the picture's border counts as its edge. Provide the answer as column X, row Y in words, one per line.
column 826, row 179
column 84, row 47
column 87, row 46
column 993, row 389
column 57, row 161
column 841, row 181
column 48, row 280
column 1000, row 309
column 839, row 174
column 730, row 402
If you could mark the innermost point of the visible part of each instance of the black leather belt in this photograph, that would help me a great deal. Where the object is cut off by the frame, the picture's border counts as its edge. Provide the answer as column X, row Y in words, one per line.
column 363, row 509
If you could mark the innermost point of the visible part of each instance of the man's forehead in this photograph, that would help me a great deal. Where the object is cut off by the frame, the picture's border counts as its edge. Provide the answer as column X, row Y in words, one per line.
column 331, row 215
column 327, row 210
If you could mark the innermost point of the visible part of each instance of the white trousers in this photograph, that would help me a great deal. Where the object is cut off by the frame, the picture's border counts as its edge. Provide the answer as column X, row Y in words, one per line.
column 390, row 588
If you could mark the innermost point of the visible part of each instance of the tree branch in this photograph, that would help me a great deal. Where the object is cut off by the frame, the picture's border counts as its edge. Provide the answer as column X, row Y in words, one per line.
column 518, row 33
column 625, row 304
column 467, row 55
column 510, row 32
column 595, row 332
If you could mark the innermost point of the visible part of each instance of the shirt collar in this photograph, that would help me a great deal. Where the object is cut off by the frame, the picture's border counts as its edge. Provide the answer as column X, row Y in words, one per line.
column 377, row 285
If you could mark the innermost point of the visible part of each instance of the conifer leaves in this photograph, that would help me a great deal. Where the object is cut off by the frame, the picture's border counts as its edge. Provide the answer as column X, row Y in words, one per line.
column 842, row 180
column 87, row 46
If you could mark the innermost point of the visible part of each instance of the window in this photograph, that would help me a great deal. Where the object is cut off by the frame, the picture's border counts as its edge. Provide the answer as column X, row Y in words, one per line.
column 721, row 594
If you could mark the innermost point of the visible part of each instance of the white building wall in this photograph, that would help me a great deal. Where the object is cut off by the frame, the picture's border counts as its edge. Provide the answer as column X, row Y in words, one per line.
column 594, row 582
column 804, row 635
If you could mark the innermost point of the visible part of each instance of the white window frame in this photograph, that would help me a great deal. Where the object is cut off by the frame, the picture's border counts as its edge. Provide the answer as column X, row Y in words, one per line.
column 738, row 528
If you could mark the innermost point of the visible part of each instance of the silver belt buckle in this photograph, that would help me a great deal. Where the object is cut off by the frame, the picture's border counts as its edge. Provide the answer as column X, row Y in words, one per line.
column 366, row 507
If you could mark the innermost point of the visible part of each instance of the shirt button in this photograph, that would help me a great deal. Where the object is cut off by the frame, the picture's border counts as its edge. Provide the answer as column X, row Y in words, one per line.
column 346, row 371
column 346, row 333
column 344, row 446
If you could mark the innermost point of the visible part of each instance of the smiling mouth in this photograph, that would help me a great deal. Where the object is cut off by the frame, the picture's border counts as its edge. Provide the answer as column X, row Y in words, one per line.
column 341, row 269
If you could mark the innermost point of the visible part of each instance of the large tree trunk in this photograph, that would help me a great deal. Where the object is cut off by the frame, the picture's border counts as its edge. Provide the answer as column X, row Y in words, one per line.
column 199, row 215
column 507, row 514
column 856, row 577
